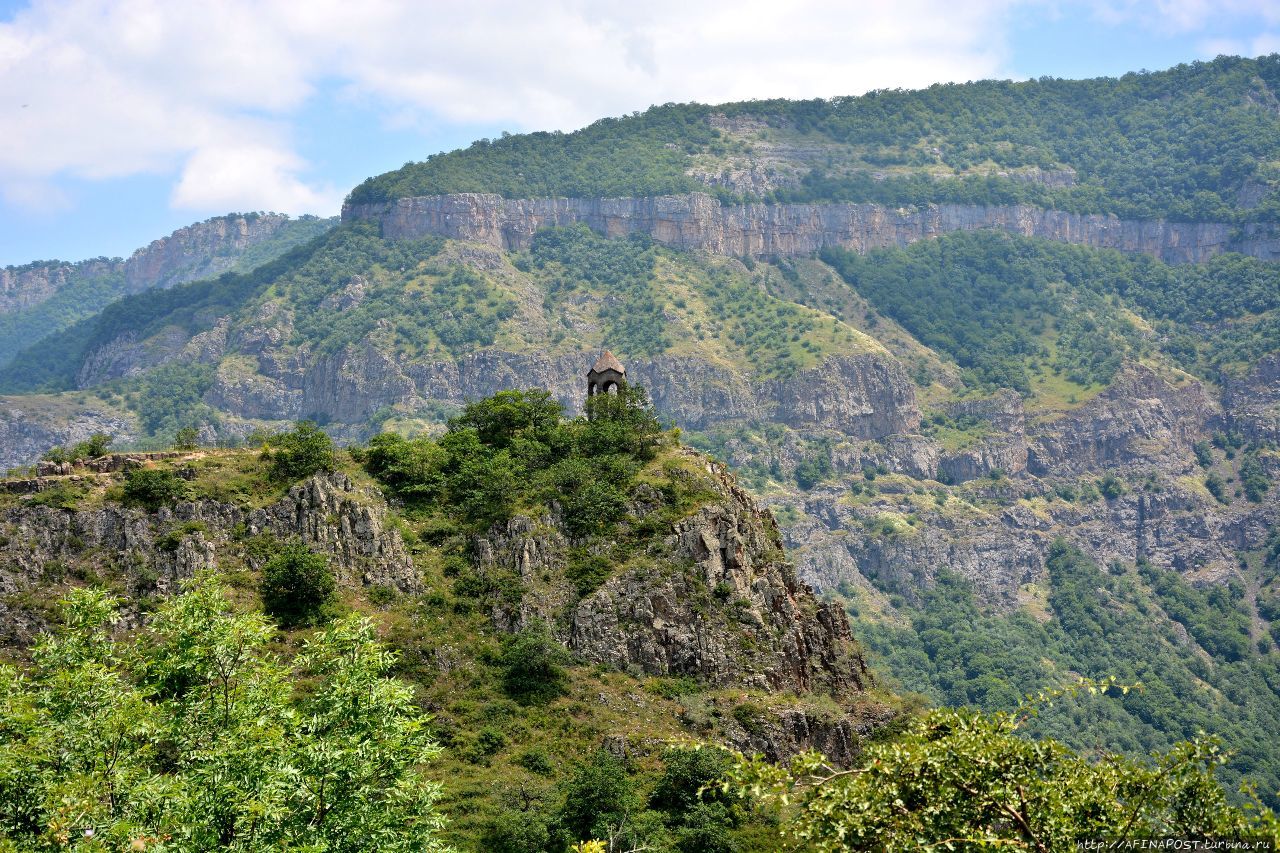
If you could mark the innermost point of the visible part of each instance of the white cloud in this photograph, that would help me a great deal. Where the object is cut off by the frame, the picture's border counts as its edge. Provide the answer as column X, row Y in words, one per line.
column 1184, row 16
column 209, row 92
column 235, row 176
column 1258, row 45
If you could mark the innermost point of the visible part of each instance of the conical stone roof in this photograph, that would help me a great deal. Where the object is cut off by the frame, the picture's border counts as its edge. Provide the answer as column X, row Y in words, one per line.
column 608, row 361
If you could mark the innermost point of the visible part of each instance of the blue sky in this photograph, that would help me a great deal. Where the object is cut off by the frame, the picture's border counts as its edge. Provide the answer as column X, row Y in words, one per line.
column 121, row 121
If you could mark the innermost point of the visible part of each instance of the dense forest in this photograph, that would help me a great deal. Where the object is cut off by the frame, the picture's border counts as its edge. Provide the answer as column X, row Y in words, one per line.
column 1010, row 309
column 1180, row 144
column 1189, row 648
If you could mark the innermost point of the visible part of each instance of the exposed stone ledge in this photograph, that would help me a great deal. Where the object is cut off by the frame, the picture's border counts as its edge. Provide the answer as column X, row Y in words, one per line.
column 700, row 222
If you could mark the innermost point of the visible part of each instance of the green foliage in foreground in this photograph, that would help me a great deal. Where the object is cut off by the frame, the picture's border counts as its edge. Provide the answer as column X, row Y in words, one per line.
column 195, row 736
column 958, row 779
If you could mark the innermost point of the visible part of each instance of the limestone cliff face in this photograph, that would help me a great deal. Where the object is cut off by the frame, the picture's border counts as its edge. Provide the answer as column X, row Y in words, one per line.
column 1002, row 448
column 715, row 598
column 203, row 250
column 328, row 513
column 1253, row 401
column 1140, row 419
column 700, row 222
column 996, row 532
column 28, row 286
column 867, row 396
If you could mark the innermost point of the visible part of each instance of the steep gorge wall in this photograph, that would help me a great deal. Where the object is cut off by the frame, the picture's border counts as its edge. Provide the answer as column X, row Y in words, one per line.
column 699, row 221
column 29, row 285
column 203, row 250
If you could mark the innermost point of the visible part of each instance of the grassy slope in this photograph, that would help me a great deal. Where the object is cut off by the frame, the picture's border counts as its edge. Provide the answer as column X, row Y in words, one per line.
column 450, row 651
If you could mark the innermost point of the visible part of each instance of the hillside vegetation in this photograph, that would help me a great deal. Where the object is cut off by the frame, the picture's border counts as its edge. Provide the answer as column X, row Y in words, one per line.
column 93, row 285
column 1178, row 144
column 376, row 718
column 1013, row 462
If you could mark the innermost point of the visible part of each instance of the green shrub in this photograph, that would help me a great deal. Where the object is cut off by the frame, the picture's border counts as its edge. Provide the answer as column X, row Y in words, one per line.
column 751, row 717
column 588, row 571
column 1111, row 487
column 533, row 667
column 304, row 451
column 153, row 487
column 688, row 778
column 1216, row 487
column 1253, row 478
column 536, row 760
column 298, row 587
column 1204, row 453
column 512, row 831
column 707, row 828
column 60, row 496
column 599, row 798
column 96, row 446
column 187, row 438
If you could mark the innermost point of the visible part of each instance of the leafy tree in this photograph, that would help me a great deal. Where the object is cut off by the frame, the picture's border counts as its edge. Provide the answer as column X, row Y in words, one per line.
column 153, row 487
column 298, row 587
column 687, row 779
column 510, row 416
column 624, row 422
column 514, row 448
column 95, row 446
column 302, row 452
column 961, row 778
column 191, row 736
column 412, row 469
column 599, row 799
column 481, row 482
column 187, row 438
column 533, row 666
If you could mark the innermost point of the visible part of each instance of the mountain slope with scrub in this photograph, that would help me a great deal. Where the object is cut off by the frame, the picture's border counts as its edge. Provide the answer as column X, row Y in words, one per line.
column 1007, row 375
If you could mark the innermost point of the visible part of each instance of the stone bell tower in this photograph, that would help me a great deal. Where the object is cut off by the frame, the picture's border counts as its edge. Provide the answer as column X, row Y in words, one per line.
column 606, row 376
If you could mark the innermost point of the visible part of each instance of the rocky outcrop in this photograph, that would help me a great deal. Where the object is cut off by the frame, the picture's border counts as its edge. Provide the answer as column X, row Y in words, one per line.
column 30, row 426
column 1140, row 419
column 700, row 222
column 996, row 531
column 153, row 551
column 1002, row 446
column 712, row 598
column 29, row 285
column 203, row 250
column 1252, row 401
